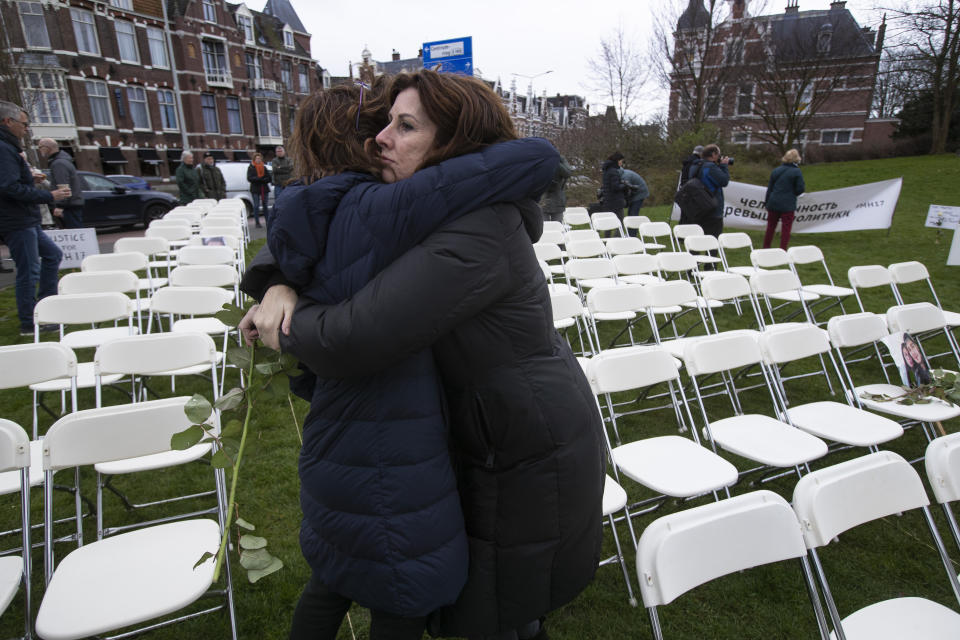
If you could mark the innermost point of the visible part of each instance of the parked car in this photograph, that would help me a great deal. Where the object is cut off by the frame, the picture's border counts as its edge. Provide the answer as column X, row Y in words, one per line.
column 235, row 175
column 130, row 182
column 108, row 204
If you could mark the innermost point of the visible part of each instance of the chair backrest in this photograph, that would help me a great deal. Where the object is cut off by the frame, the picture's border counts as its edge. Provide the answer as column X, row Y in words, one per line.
column 199, row 254
column 547, row 251
column 606, row 221
column 146, row 246
column 555, row 236
column 856, row 329
column 205, row 239
column 776, row 281
column 83, row 308
column 905, row 272
column 147, row 354
column 735, row 240
column 25, row 364
column 793, row 343
column 634, row 222
column 553, row 225
column 114, row 433
column 199, row 301
column 680, row 551
column 805, row 254
column 169, row 232
column 682, row 231
column 125, row 261
column 14, row 446
column 575, row 235
column 624, row 246
column 627, row 368
column 627, row 297
column 769, row 258
column 721, row 352
column 943, row 467
column 671, row 293
column 655, row 229
column 915, row 318
column 725, row 286
column 585, row 268
column 844, row 495
column 870, row 275
column 565, row 304
column 573, row 216
column 676, row 261
column 701, row 243
column 204, row 275
column 636, row 263
column 591, row 248
column 192, row 217
column 99, row 282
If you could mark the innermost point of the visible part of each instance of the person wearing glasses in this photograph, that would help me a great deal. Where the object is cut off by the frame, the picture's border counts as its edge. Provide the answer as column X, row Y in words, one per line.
column 35, row 256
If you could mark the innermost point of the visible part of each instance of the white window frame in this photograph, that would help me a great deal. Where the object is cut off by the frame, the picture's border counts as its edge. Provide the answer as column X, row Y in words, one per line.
column 286, row 74
column 205, row 111
column 255, row 61
column 137, row 99
column 303, row 77
column 214, row 56
column 131, row 41
column 209, row 10
column 83, row 21
column 41, row 89
column 122, row 4
column 96, row 98
column 245, row 22
column 266, row 115
column 714, row 100
column 157, row 44
column 32, row 9
column 288, row 41
column 834, row 133
column 168, row 109
column 740, row 94
column 230, row 114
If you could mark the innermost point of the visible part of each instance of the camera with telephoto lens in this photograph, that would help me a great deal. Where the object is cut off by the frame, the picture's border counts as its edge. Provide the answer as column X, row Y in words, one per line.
column 730, row 160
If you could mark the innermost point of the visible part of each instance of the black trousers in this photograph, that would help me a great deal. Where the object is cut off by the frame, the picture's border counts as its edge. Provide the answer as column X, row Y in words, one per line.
column 320, row 612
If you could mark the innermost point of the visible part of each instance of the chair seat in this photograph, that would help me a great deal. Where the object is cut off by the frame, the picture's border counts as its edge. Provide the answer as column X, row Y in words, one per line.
column 614, row 315
column 936, row 411
column 86, row 338
column 952, row 318
column 766, row 440
column 656, row 246
column 794, row 296
column 596, row 283
column 744, row 271
column 11, row 570
column 155, row 461
column 128, row 579
column 10, row 480
column 707, row 259
column 639, row 278
column 85, row 380
column 902, row 618
column 676, row 345
column 614, row 497
column 149, row 284
column 666, row 310
column 556, row 269
column 674, row 466
column 828, row 290
column 703, row 303
column 842, row 423
column 162, row 264
column 210, row 326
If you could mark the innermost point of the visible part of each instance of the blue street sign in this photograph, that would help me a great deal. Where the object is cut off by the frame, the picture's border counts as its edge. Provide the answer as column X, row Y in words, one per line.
column 449, row 56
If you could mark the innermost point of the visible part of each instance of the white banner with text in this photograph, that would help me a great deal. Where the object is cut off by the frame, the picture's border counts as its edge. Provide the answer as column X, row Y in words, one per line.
column 865, row 206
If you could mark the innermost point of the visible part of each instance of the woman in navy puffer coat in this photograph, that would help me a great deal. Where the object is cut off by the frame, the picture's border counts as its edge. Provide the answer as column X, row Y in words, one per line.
column 382, row 521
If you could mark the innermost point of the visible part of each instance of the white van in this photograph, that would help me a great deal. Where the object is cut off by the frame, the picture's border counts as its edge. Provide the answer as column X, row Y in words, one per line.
column 235, row 175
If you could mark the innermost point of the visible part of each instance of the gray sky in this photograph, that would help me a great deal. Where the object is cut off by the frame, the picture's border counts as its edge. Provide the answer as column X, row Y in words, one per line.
column 509, row 36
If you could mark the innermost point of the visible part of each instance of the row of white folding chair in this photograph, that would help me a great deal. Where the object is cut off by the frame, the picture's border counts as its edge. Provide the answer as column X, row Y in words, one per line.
column 683, row 550
column 777, row 258
column 896, row 276
column 132, row 259
column 157, row 250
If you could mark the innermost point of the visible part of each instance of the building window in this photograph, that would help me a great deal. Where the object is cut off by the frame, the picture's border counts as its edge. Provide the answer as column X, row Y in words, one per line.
column 745, row 99
column 286, row 74
column 268, row 118
column 99, row 103
column 734, row 51
column 713, row 102
column 303, row 78
column 208, row 103
column 127, row 41
column 254, row 66
column 210, row 10
column 741, row 138
column 122, row 4
column 246, row 26
column 234, row 120
column 291, row 118
column 168, row 109
column 85, row 31
column 215, row 61
column 34, row 25
column 836, row 137
column 137, row 98
column 287, row 37
column 46, row 98
column 158, row 47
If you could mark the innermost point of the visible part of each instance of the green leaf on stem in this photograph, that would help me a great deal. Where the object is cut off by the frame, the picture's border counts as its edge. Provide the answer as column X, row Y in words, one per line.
column 290, row 364
column 269, row 368
column 232, row 428
column 230, row 400
column 187, row 438
column 239, row 356
column 255, row 559
column 243, row 524
column 198, row 408
column 231, row 446
column 220, row 460
column 251, row 543
column 230, row 315
column 274, row 565
column 206, row 556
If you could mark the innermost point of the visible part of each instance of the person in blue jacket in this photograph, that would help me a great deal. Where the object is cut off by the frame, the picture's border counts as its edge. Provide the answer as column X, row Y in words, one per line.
column 390, row 533
column 715, row 175
column 786, row 183
column 35, row 256
column 524, row 436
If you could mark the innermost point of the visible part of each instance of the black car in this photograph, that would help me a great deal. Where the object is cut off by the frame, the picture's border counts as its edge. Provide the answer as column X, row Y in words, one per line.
column 107, row 204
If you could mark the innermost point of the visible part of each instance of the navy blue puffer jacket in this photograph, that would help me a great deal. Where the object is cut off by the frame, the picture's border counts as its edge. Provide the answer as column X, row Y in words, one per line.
column 382, row 521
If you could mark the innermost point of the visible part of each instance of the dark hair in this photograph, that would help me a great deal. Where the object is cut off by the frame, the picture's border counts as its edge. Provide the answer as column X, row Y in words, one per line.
column 615, row 157
column 329, row 135
column 468, row 114
column 709, row 151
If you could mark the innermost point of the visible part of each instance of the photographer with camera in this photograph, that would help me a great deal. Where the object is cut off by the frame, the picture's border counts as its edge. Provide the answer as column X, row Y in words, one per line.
column 715, row 175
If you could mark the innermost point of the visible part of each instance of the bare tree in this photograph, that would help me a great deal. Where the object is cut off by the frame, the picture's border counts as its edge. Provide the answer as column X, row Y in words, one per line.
column 896, row 85
column 618, row 73
column 929, row 38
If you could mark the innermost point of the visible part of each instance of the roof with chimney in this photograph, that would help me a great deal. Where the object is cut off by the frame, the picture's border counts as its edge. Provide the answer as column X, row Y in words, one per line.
column 284, row 12
column 844, row 37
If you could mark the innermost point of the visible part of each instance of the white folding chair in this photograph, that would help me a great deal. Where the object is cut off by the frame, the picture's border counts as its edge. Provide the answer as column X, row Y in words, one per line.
column 604, row 221
column 125, row 261
column 575, row 235
column 157, row 252
column 588, row 273
column 142, row 574
column 672, row 300
column 835, row 499
column 904, row 273
column 683, row 231
column 942, row 461
column 576, row 216
column 655, row 231
column 870, row 276
column 16, row 460
column 924, row 320
column 552, row 235
column 616, row 304
column 706, row 250
column 782, row 285
column 812, row 255
column 199, row 254
column 725, row 288
column 207, row 275
column 588, row 248
column 125, row 282
column 624, row 246
column 615, row 501
column 637, row 268
column 739, row 242
column 681, row 551
column 568, row 311
column 550, row 253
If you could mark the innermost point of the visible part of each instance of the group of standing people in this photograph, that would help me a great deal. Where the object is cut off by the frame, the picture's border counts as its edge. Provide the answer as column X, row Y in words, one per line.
column 621, row 187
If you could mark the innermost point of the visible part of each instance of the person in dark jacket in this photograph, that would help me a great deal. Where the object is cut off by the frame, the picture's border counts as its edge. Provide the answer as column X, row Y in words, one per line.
column 526, row 439
column 614, row 191
column 638, row 191
column 282, row 169
column 188, row 180
column 715, row 175
column 555, row 197
column 690, row 162
column 258, row 175
column 212, row 182
column 36, row 257
column 786, row 183
column 64, row 172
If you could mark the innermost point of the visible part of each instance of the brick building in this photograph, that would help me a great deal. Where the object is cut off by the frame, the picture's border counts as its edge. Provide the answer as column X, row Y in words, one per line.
column 803, row 77
column 126, row 85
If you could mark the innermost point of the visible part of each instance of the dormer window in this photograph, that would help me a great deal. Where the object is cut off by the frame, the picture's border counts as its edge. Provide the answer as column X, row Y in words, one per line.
column 287, row 37
column 245, row 23
column 824, row 38
column 209, row 10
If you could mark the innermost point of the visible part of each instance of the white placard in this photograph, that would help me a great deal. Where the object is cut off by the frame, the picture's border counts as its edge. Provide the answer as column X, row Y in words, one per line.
column 76, row 245
column 943, row 217
column 953, row 258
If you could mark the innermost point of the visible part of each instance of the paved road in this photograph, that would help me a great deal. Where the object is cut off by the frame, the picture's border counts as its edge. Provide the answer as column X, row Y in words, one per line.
column 105, row 238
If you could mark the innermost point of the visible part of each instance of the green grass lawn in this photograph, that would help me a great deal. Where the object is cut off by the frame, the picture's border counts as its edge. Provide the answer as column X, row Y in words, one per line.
column 765, row 603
